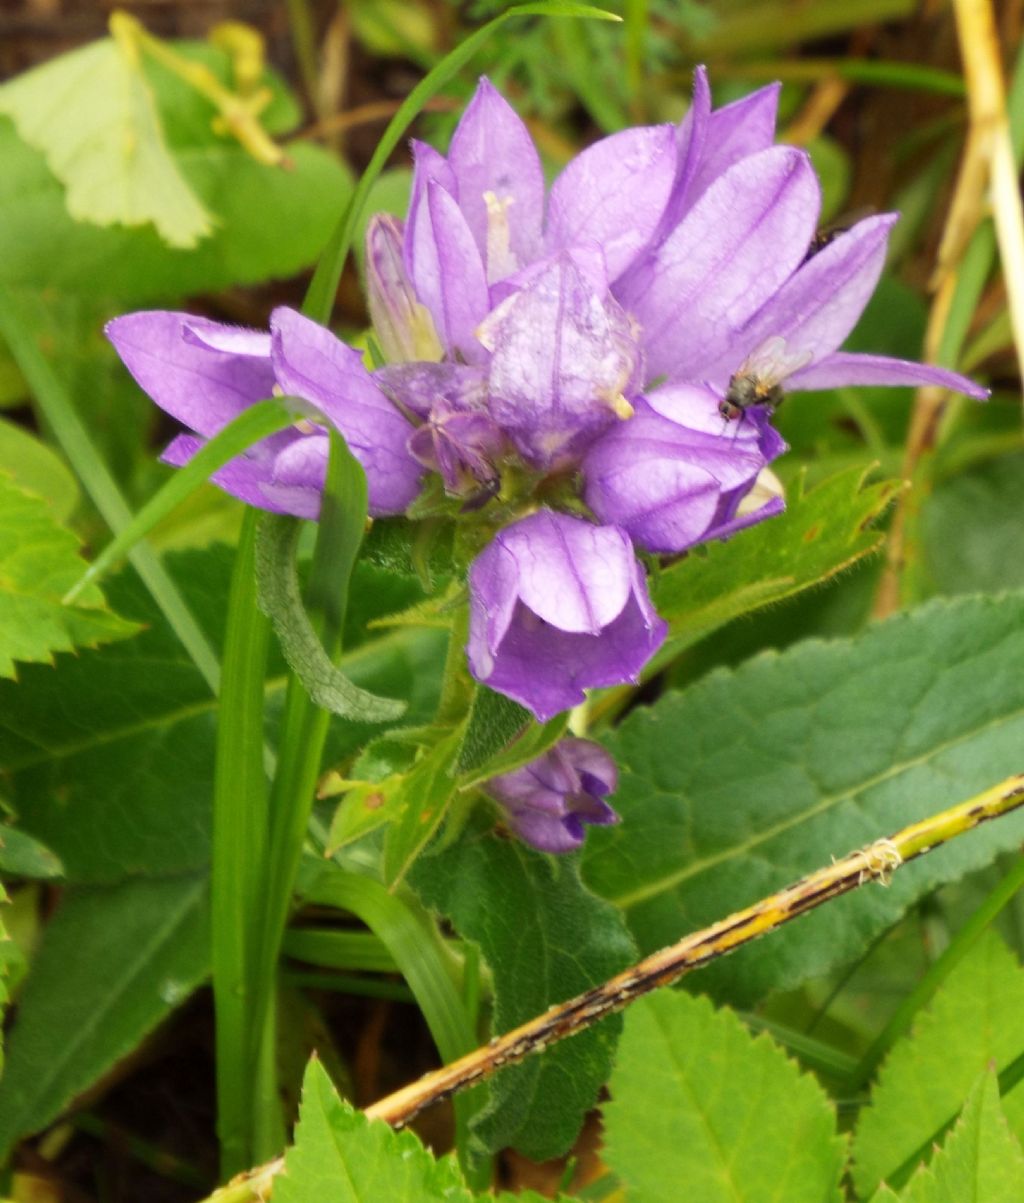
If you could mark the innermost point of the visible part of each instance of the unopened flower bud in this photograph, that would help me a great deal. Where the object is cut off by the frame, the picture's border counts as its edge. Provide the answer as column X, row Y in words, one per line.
column 404, row 327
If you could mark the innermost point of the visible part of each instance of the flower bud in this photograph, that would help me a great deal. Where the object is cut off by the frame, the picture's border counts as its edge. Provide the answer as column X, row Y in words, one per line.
column 404, row 327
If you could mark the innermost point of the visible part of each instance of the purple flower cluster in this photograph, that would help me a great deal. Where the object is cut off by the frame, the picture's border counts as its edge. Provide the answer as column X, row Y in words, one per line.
column 604, row 358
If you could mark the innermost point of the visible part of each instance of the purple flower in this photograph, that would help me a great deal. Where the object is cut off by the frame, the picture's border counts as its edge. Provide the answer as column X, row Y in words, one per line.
column 204, row 374
column 404, row 327
column 549, row 800
column 564, row 360
column 557, row 605
column 671, row 479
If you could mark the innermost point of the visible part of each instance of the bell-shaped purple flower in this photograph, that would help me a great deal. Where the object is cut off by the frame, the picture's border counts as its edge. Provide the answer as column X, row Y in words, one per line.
column 204, row 374
column 558, row 605
column 463, row 445
column 549, row 801
column 674, row 476
column 564, row 362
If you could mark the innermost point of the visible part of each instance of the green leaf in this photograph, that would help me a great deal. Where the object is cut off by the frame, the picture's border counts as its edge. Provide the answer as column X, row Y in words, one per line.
column 697, row 1099
column 112, row 964
column 971, row 529
column 751, row 778
column 981, row 1159
column 419, row 804
column 501, row 736
column 22, row 856
column 92, row 114
column 973, row 1021
column 38, row 469
column 272, row 223
column 341, row 1155
column 109, row 755
column 546, row 939
column 281, row 600
column 38, row 561
column 823, row 531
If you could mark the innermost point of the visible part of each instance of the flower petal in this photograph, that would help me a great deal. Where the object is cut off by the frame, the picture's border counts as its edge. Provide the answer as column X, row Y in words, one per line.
column 817, row 308
column 850, row 368
column 730, row 254
column 450, row 278
column 614, row 193
column 201, row 386
column 311, row 363
column 562, row 358
column 297, row 480
column 691, row 135
column 570, row 573
column 735, row 131
column 491, row 152
column 244, row 477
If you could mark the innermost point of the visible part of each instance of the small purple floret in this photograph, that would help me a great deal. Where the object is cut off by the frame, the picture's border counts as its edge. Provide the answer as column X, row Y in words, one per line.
column 549, row 801
column 558, row 605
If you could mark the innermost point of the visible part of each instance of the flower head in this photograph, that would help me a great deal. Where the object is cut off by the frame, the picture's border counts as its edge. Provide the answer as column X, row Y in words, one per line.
column 549, row 801
column 205, row 374
column 557, row 605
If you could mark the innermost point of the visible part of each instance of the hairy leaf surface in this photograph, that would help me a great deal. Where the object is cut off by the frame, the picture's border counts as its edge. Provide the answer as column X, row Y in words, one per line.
column 751, row 778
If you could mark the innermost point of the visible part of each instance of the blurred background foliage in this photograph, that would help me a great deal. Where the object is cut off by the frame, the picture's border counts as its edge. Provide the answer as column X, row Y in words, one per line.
column 873, row 88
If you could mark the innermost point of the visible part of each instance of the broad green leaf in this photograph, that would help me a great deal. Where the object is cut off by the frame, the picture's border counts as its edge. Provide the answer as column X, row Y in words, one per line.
column 38, row 469
column 971, row 529
column 973, row 1021
column 823, row 531
column 750, row 778
column 22, row 856
column 280, row 599
column 113, row 963
column 696, row 1099
column 981, row 1160
column 92, row 114
column 341, row 1155
column 38, row 562
column 546, row 939
column 109, row 755
column 272, row 223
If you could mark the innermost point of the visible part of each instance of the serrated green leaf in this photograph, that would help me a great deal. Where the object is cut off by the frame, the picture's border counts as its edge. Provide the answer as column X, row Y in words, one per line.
column 113, row 963
column 696, row 1099
column 341, row 1155
column 92, row 114
column 108, row 756
column 981, row 1159
column 823, row 531
column 38, row 561
column 37, row 468
column 751, row 778
column 281, row 600
column 973, row 1020
column 22, row 856
column 546, row 939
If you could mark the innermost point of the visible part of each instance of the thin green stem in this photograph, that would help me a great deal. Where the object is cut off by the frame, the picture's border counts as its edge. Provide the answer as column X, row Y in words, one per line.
column 239, row 852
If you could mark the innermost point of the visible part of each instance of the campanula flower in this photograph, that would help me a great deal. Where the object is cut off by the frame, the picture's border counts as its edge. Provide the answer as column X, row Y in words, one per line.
column 557, row 605
column 670, row 478
column 549, row 801
column 205, row 373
